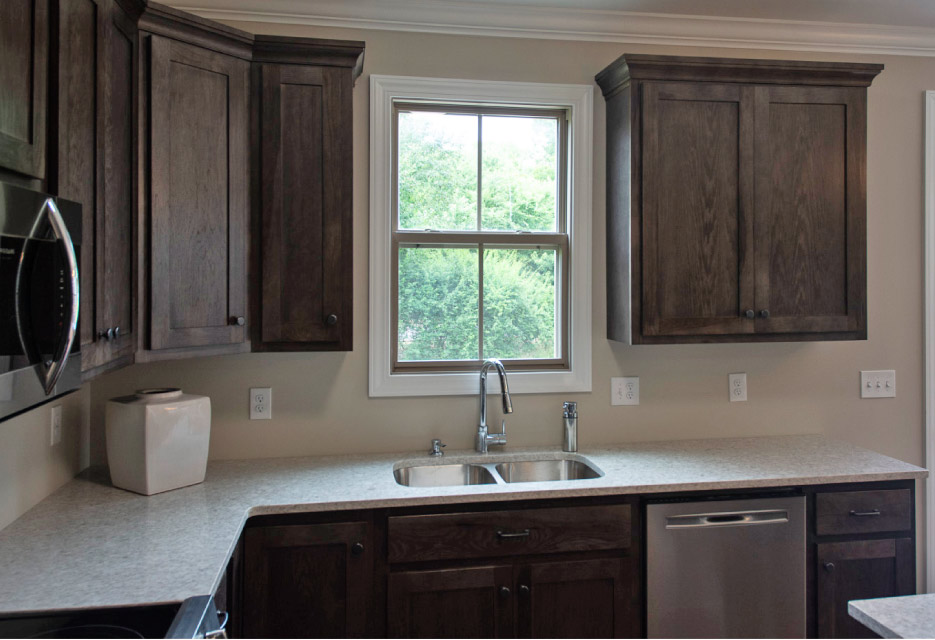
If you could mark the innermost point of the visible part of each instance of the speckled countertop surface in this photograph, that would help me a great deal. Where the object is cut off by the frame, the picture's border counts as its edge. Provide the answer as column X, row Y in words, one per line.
column 903, row 617
column 91, row 545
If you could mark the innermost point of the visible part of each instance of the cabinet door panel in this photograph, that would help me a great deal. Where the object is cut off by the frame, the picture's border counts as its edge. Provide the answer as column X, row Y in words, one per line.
column 857, row 570
column 24, row 58
column 307, row 581
column 198, row 204
column 697, row 194
column 579, row 599
column 451, row 603
column 810, row 227
column 306, row 275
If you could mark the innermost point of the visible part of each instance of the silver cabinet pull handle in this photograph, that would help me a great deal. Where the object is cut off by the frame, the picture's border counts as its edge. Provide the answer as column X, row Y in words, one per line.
column 507, row 535
column 873, row 512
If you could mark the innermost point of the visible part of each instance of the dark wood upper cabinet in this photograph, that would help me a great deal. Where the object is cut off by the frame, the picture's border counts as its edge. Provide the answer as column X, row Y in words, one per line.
column 736, row 206
column 94, row 115
column 308, row 581
column 24, row 68
column 198, row 105
column 302, row 270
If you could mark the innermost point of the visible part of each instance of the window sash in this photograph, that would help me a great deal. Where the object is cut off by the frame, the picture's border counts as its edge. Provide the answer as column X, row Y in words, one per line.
column 478, row 238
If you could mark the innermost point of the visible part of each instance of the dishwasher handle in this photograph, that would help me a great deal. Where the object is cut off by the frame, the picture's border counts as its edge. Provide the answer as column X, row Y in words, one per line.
column 727, row 519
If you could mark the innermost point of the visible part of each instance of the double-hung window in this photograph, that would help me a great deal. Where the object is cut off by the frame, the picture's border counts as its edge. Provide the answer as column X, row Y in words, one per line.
column 480, row 235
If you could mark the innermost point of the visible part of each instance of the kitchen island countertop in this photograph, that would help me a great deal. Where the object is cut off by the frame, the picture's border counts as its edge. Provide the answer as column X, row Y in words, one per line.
column 901, row 617
column 92, row 545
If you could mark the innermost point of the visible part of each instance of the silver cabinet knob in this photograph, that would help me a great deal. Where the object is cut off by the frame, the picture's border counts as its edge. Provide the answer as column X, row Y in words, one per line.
column 238, row 321
column 764, row 313
column 106, row 334
column 116, row 332
column 749, row 313
column 331, row 320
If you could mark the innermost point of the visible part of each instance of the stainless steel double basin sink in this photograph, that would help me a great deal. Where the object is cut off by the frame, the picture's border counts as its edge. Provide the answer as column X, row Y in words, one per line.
column 571, row 467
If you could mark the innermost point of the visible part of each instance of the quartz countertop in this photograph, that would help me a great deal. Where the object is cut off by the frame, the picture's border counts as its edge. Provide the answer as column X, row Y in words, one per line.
column 92, row 545
column 902, row 617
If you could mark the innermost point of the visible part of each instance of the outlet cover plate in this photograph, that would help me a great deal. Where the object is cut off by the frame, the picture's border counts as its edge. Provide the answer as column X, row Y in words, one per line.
column 737, row 387
column 625, row 391
column 261, row 403
column 878, row 384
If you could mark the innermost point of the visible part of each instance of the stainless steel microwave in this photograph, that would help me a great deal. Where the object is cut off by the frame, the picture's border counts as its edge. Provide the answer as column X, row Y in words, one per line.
column 40, row 239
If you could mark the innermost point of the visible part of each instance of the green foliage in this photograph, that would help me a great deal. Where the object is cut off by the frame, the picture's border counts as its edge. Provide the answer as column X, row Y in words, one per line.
column 519, row 303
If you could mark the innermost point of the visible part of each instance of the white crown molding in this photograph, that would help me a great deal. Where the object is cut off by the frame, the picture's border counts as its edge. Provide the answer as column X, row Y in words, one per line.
column 488, row 19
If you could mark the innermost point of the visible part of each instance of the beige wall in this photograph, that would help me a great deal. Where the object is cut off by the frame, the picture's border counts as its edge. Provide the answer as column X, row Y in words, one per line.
column 30, row 469
column 320, row 402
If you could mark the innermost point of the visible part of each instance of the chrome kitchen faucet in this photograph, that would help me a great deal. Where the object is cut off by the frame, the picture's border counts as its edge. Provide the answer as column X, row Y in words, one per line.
column 483, row 439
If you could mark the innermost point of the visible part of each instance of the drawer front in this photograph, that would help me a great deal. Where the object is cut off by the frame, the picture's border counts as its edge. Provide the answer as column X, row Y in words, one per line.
column 506, row 533
column 846, row 512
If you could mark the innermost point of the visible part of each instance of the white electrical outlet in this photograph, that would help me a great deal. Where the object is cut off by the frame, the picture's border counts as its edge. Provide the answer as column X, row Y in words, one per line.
column 878, row 384
column 625, row 391
column 55, row 426
column 261, row 403
column 737, row 387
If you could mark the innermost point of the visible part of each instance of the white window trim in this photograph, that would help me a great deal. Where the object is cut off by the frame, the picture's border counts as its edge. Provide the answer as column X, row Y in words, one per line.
column 384, row 90
column 929, row 391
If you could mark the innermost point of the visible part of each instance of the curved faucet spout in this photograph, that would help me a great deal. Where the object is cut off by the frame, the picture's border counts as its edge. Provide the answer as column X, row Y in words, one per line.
column 484, row 438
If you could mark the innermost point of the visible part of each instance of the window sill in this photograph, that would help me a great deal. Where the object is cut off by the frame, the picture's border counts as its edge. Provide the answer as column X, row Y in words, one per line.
column 462, row 384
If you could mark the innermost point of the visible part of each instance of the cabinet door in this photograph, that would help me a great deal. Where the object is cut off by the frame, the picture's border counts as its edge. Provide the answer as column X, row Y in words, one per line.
column 306, row 273
column 857, row 570
column 198, row 196
column 24, row 59
column 95, row 115
column 579, row 599
column 470, row 602
column 307, row 581
column 811, row 203
column 697, row 199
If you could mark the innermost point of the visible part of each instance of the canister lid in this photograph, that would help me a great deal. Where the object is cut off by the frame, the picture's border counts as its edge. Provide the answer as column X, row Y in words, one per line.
column 159, row 393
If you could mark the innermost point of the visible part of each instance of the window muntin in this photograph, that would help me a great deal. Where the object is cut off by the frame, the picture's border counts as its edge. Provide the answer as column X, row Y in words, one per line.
column 506, row 212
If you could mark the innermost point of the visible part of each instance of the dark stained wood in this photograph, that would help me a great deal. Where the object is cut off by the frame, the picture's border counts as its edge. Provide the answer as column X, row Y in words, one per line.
column 839, row 513
column 697, row 200
column 811, row 260
column 468, row 602
column 310, row 51
column 856, row 570
column 181, row 25
column 304, row 271
column 24, row 67
column 94, row 163
column 307, row 581
column 720, row 150
column 578, row 599
column 198, row 196
column 475, row 535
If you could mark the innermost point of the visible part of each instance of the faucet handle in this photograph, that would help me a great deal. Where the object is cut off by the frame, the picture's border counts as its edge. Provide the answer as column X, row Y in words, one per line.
column 436, row 449
column 570, row 409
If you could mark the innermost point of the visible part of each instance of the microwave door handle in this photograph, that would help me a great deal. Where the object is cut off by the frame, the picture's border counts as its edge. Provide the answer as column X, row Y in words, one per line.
column 60, row 359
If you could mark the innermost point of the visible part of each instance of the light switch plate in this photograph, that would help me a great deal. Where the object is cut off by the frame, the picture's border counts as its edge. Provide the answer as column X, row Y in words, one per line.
column 737, row 387
column 878, row 384
column 625, row 391
column 55, row 426
column 261, row 403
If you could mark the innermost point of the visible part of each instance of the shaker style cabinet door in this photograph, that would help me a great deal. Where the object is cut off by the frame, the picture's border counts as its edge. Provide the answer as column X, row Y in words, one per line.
column 305, row 280
column 24, row 61
column 198, row 103
column 95, row 112
column 810, row 210
column 308, row 581
column 697, row 209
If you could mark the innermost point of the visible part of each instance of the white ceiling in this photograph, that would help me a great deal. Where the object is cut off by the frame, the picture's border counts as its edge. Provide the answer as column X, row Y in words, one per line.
column 902, row 27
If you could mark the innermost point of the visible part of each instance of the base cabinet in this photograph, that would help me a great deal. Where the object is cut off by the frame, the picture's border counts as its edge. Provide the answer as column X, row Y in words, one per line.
column 307, row 581
column 857, row 570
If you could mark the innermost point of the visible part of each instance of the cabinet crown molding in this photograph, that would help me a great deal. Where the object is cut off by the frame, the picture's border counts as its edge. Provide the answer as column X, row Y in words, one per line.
column 310, row 51
column 652, row 67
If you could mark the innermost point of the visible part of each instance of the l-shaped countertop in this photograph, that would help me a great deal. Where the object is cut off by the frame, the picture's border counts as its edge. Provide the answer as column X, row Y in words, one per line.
column 92, row 545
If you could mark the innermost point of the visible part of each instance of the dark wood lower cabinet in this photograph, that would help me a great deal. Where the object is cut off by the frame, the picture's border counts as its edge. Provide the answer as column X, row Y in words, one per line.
column 856, row 570
column 308, row 581
column 471, row 602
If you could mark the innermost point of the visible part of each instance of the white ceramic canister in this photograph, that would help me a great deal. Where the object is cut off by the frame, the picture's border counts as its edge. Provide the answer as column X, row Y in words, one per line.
column 157, row 440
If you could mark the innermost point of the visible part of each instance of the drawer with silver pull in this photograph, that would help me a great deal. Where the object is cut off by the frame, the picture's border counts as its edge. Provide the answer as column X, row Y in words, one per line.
column 848, row 512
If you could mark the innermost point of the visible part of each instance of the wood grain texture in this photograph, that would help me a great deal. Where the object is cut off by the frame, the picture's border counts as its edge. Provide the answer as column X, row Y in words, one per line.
column 467, row 602
column 304, row 268
column 833, row 512
column 307, row 581
column 856, row 570
column 697, row 192
column 198, row 189
column 24, row 62
column 474, row 535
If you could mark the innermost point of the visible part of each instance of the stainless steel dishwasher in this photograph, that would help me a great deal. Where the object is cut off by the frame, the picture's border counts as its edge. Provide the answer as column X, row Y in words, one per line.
column 726, row 568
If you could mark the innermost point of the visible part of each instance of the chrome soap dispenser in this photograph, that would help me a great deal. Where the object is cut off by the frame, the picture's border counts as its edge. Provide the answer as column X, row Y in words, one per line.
column 570, row 420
